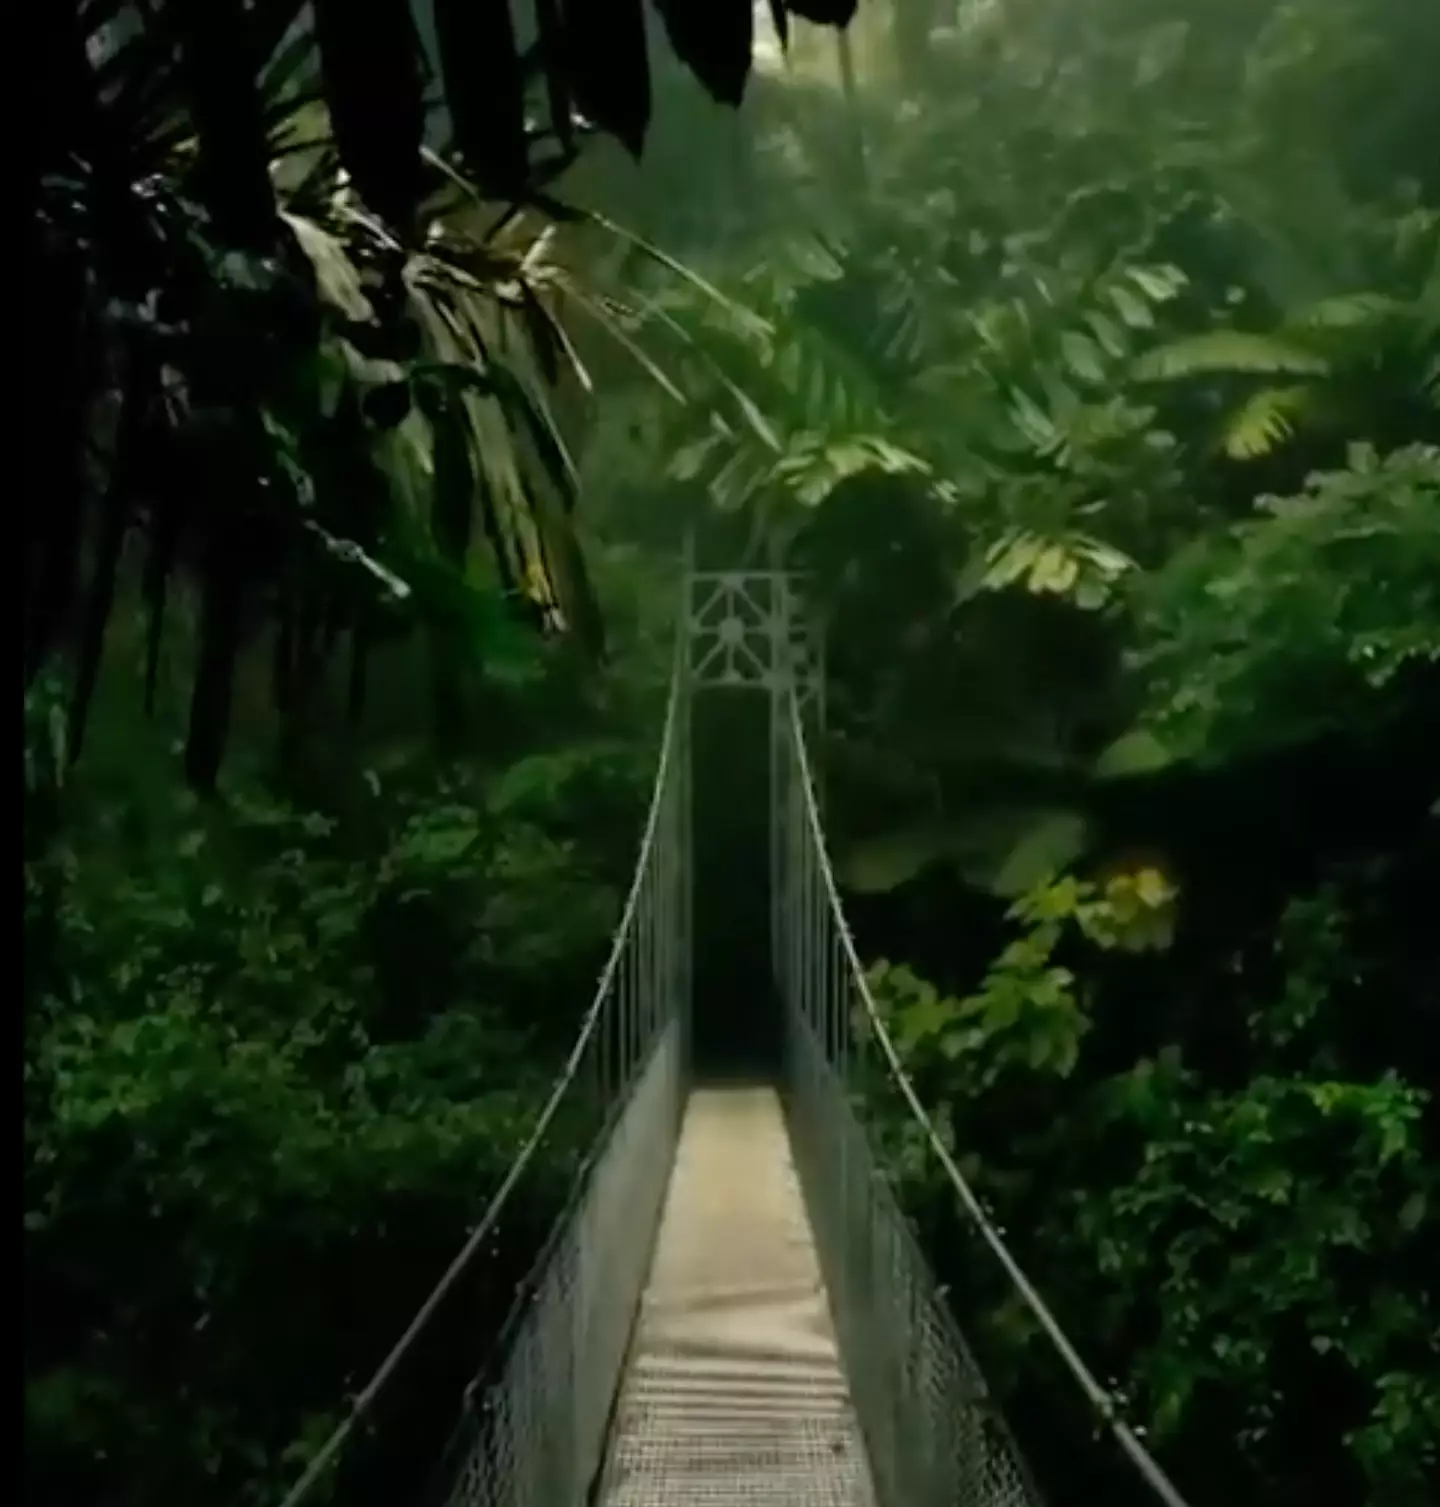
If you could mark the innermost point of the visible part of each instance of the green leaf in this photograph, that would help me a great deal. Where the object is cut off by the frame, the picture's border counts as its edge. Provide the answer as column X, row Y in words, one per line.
column 1110, row 336
column 881, row 864
column 1134, row 311
column 1136, row 752
column 1055, row 841
column 1083, row 357
column 1229, row 352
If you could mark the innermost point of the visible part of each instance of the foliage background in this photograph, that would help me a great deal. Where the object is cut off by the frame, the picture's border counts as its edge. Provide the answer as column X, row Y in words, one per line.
column 1090, row 361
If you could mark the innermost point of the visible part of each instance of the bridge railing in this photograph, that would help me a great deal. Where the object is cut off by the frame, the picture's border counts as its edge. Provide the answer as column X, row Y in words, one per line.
column 531, row 1431
column 934, row 1433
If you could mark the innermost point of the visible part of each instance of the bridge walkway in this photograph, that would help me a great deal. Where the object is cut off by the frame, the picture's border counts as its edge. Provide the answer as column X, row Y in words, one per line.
column 734, row 1394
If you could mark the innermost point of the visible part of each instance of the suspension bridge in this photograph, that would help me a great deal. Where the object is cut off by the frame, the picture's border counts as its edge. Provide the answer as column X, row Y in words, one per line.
column 733, row 1310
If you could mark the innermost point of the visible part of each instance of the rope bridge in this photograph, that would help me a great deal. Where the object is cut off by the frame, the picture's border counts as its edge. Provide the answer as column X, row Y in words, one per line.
column 732, row 1309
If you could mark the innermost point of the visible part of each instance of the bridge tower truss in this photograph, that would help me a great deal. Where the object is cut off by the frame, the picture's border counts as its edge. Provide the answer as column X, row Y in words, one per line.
column 752, row 630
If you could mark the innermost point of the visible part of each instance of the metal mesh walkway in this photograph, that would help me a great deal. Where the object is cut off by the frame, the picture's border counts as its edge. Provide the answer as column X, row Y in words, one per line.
column 734, row 1392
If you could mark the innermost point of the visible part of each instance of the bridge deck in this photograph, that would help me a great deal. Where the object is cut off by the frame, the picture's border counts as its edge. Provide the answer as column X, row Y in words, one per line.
column 734, row 1395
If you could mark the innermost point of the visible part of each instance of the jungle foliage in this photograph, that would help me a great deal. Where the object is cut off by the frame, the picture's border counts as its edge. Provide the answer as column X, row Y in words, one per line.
column 1088, row 357
column 255, row 234
column 295, row 483
column 1099, row 369
column 280, row 1048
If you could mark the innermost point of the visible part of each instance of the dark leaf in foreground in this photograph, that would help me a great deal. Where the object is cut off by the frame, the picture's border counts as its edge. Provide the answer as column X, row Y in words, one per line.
column 375, row 93
column 713, row 41
column 220, row 73
column 484, row 90
column 824, row 12
column 604, row 57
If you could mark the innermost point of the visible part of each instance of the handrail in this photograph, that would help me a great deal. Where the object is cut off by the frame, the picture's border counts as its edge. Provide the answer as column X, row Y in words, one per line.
column 365, row 1399
column 1099, row 1398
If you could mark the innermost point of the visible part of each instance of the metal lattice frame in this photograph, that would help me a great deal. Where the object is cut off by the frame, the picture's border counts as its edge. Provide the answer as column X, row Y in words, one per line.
column 749, row 630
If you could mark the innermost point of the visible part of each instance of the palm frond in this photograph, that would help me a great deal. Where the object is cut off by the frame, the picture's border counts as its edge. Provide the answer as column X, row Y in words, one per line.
column 405, row 347
column 824, row 416
column 816, row 464
column 1073, row 566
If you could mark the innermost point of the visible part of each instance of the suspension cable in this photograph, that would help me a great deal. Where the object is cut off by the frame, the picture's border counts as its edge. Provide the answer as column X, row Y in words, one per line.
column 1143, row 1461
column 364, row 1400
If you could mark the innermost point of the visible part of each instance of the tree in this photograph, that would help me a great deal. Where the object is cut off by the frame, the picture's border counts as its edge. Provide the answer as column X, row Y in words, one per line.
column 231, row 320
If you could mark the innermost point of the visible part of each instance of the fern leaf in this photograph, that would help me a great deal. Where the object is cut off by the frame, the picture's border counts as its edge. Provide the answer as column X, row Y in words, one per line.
column 818, row 467
column 906, row 318
column 1265, row 421
column 825, row 387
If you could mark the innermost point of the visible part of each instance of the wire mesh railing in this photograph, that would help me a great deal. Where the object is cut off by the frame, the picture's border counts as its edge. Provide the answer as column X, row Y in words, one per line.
column 934, row 1433
column 535, row 1414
